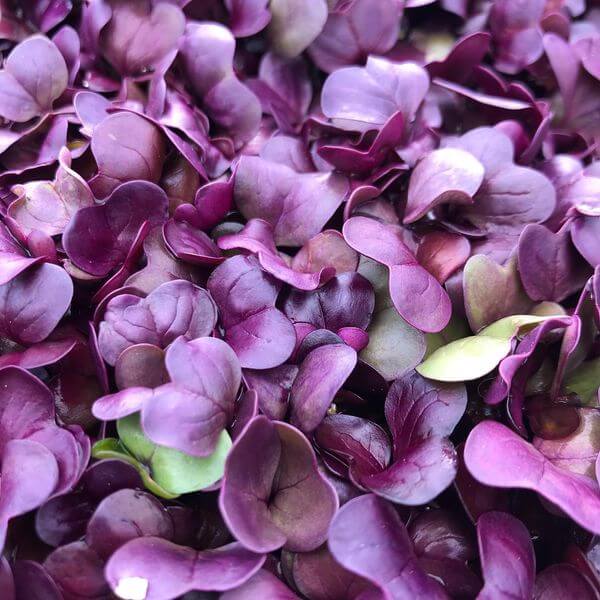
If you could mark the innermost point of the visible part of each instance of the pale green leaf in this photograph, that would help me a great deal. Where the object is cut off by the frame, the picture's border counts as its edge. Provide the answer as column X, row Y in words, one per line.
column 466, row 359
column 111, row 448
column 507, row 328
column 170, row 469
column 475, row 356
column 585, row 381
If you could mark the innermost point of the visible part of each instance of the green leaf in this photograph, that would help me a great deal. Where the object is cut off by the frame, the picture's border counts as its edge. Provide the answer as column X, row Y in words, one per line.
column 394, row 345
column 475, row 356
column 507, row 328
column 492, row 291
column 181, row 473
column 456, row 329
column 113, row 449
column 131, row 435
column 466, row 359
column 170, row 469
column 585, row 381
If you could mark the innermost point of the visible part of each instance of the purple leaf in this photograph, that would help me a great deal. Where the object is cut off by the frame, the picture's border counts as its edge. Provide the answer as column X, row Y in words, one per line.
column 141, row 365
column 27, row 405
column 510, row 196
column 497, row 457
column 123, row 516
column 13, row 259
column 63, row 519
column 576, row 447
column 350, row 36
column 66, row 39
column 260, row 334
column 257, row 238
column 584, row 233
column 34, row 76
column 29, row 476
column 363, row 446
column 161, row 266
column 207, row 53
column 364, row 98
column 26, row 321
column 321, row 375
column 345, row 301
column 39, row 355
column 353, row 159
column 284, row 90
column 507, row 557
column 514, row 370
column 190, row 244
column 408, row 279
column 272, row 494
column 549, row 265
column 442, row 253
column 515, row 26
column 262, row 585
column 71, row 457
column 273, row 388
column 212, row 202
column 173, row 309
column 124, row 41
column 247, row 18
column 446, row 176
column 160, row 570
column 317, row 575
column 420, row 416
column 98, row 238
column 48, row 206
column 368, row 538
column 326, row 249
column 78, row 571
column 191, row 414
column 563, row 581
column 286, row 199
column 33, row 581
column 126, row 147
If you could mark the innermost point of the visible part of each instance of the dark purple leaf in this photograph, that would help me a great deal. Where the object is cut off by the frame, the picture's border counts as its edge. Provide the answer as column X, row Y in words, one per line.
column 549, row 265
column 257, row 237
column 98, row 238
column 29, row 321
column 272, row 494
column 563, row 581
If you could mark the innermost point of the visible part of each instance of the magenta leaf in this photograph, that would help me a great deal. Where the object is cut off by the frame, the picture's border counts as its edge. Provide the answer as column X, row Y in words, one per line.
column 497, row 457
